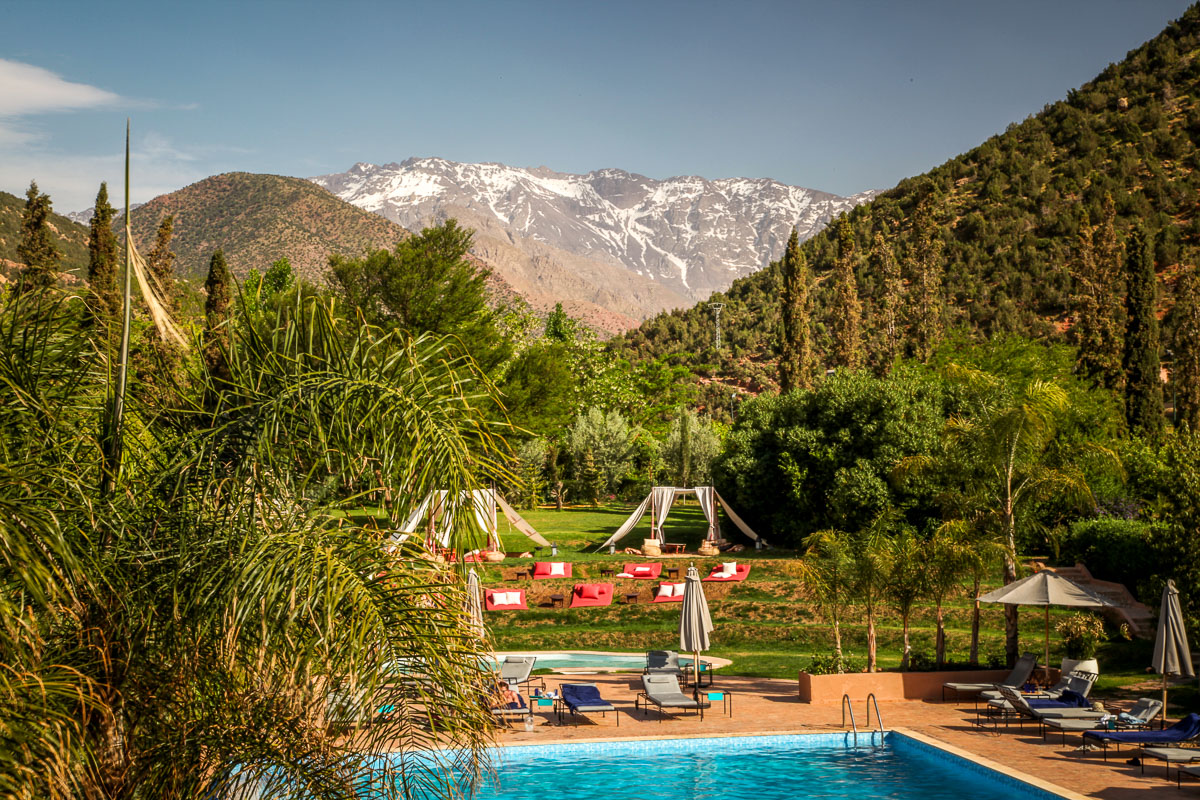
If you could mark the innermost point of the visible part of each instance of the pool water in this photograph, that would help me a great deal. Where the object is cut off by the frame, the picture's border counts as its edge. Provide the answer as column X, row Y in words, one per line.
column 604, row 661
column 748, row 768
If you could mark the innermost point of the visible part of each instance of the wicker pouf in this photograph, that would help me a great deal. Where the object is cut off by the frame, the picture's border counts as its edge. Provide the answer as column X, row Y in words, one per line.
column 707, row 549
column 650, row 547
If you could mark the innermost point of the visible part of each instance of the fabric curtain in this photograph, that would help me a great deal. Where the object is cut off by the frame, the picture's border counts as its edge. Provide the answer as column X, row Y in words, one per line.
column 735, row 519
column 705, row 495
column 414, row 519
column 483, row 504
column 518, row 522
column 663, row 497
column 629, row 523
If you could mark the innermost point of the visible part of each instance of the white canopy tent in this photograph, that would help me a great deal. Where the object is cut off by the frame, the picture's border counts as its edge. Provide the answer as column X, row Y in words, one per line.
column 437, row 512
column 659, row 502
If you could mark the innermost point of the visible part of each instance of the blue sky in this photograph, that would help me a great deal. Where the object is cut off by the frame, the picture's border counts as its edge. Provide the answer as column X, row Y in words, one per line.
column 840, row 96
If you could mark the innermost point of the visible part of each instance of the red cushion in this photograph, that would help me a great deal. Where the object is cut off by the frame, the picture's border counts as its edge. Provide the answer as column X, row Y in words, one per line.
column 590, row 591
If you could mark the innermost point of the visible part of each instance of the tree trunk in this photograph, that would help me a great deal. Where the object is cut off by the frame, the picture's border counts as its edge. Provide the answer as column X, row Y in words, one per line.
column 870, row 635
column 558, row 495
column 1012, row 642
column 907, row 649
column 940, row 646
column 974, row 657
column 837, row 637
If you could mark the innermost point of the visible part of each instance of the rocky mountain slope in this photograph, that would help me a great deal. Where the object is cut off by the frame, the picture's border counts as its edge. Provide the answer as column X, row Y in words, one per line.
column 71, row 237
column 649, row 244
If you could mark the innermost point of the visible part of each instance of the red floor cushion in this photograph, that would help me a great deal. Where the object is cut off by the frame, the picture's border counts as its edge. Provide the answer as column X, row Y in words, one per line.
column 504, row 599
column 669, row 593
column 719, row 573
column 551, row 569
column 591, row 594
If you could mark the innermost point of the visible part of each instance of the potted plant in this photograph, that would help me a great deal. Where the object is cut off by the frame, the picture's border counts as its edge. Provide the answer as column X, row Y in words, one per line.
column 1081, row 633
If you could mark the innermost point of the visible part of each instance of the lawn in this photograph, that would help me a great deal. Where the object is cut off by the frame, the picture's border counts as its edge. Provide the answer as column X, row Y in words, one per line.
column 766, row 625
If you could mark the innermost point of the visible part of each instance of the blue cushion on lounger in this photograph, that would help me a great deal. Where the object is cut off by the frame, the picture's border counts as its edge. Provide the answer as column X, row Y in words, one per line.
column 1187, row 728
column 581, row 695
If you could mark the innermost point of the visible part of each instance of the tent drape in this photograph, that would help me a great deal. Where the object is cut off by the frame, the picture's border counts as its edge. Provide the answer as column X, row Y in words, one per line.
column 518, row 522
column 663, row 497
column 629, row 523
column 705, row 495
column 735, row 519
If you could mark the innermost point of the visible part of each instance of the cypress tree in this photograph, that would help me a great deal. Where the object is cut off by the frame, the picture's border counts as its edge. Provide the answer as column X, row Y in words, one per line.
column 161, row 263
column 889, row 330
column 795, row 351
column 216, row 315
column 845, row 316
column 927, row 303
column 1143, row 386
column 104, row 302
column 1185, row 371
column 1098, row 303
column 37, row 250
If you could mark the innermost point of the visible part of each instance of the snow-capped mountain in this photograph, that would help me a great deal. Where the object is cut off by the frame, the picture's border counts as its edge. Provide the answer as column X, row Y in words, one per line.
column 689, row 235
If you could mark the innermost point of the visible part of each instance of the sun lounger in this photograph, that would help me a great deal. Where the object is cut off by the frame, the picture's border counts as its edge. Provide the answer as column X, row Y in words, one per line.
column 662, row 691
column 584, row 698
column 1079, row 681
column 1017, row 678
column 641, row 571
column 1185, row 730
column 591, row 594
column 507, row 715
column 1022, row 710
column 1192, row 771
column 1067, row 697
column 518, row 670
column 669, row 593
column 1143, row 711
column 551, row 569
column 722, row 572
column 504, row 600
column 1170, row 755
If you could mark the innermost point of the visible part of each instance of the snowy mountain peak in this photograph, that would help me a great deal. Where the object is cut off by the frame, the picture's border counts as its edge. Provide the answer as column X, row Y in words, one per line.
column 689, row 233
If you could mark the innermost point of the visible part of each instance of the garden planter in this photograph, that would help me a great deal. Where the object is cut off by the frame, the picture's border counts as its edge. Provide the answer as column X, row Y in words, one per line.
column 889, row 685
column 1084, row 664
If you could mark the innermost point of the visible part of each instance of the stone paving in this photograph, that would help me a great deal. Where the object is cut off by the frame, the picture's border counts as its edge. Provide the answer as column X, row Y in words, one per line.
column 771, row 706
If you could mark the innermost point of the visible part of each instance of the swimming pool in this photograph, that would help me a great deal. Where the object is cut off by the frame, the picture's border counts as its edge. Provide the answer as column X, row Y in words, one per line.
column 599, row 662
column 898, row 767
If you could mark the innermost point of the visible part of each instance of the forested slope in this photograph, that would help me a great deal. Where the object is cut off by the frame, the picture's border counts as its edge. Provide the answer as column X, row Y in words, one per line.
column 1009, row 214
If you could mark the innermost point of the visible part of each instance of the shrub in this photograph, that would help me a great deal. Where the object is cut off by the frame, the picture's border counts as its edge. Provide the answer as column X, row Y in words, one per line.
column 1120, row 550
column 833, row 664
column 1081, row 633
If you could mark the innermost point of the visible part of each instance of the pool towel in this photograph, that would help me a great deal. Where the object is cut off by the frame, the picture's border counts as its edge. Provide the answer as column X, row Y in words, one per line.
column 1186, row 729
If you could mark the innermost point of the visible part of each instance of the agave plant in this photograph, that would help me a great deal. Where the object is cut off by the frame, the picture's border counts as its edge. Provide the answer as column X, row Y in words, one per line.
column 215, row 622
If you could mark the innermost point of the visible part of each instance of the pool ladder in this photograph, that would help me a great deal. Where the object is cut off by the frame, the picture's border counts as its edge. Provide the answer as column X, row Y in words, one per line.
column 871, row 701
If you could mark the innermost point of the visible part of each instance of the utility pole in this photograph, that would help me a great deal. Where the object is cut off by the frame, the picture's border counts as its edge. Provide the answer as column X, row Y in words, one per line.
column 716, row 307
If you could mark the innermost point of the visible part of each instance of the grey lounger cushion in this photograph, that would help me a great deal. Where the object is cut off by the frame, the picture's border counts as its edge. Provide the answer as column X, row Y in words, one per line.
column 663, row 691
column 1020, row 673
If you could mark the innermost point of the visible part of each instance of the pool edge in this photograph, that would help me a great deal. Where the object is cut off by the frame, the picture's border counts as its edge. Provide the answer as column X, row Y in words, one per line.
column 987, row 763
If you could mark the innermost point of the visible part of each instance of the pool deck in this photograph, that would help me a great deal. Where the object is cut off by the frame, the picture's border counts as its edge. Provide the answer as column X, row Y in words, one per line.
column 763, row 706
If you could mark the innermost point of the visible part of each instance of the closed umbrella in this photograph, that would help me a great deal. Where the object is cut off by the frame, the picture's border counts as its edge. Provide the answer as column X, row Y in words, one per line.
column 695, row 623
column 1045, row 589
column 475, row 604
column 1171, row 653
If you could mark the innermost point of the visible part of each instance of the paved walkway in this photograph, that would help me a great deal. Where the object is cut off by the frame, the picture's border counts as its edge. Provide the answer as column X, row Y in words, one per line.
column 771, row 706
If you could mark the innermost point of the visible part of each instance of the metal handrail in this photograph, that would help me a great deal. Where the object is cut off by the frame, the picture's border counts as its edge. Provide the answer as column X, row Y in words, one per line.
column 872, row 699
column 847, row 704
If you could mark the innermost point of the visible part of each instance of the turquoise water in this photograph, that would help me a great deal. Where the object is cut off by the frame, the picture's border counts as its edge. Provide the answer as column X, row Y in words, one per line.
column 605, row 661
column 747, row 768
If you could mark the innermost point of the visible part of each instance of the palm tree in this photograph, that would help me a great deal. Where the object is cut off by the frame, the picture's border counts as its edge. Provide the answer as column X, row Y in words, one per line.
column 906, row 579
column 217, row 618
column 1000, row 455
column 953, row 552
column 825, row 572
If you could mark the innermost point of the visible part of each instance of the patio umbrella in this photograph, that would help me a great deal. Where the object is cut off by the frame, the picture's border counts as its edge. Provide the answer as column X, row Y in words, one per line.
column 695, row 623
column 1171, row 653
column 475, row 604
column 1045, row 589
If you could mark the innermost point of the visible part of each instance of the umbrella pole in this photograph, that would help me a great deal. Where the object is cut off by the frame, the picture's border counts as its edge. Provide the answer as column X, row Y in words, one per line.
column 1046, row 664
column 1162, row 721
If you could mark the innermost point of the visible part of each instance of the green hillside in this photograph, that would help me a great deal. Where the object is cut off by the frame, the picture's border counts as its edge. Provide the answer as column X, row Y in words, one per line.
column 72, row 237
column 1009, row 214
column 258, row 219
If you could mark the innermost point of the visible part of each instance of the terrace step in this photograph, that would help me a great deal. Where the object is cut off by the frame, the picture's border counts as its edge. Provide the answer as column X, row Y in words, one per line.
column 1128, row 610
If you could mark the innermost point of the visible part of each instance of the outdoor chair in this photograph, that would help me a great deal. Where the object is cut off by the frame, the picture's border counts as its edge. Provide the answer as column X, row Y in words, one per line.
column 1079, row 681
column 1185, row 730
column 1022, row 710
column 663, row 691
column 517, row 671
column 1017, row 678
column 581, row 699
column 1143, row 711
column 1170, row 755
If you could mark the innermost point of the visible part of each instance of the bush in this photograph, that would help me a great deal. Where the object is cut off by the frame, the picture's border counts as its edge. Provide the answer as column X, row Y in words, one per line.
column 1081, row 632
column 833, row 664
column 1119, row 550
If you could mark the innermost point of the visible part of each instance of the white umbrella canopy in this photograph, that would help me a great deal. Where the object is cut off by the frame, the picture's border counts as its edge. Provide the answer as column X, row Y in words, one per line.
column 695, row 623
column 1172, row 656
column 1045, row 589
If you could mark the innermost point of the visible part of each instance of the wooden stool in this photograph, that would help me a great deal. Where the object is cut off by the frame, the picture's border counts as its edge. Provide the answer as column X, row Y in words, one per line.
column 606, row 572
column 631, row 598
column 557, row 600
column 672, row 572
